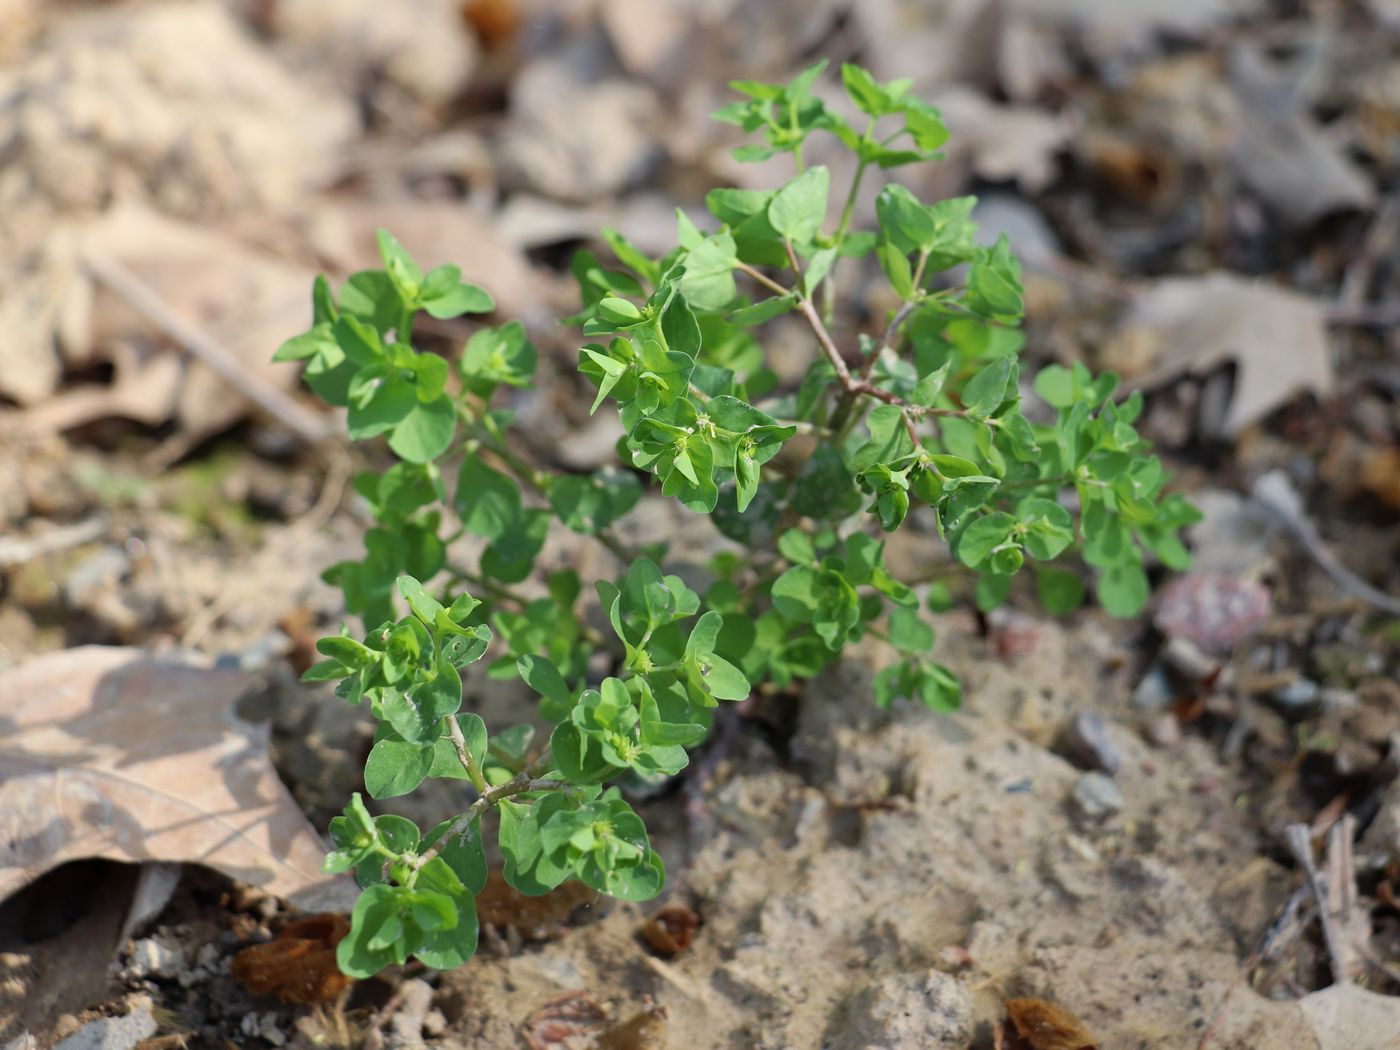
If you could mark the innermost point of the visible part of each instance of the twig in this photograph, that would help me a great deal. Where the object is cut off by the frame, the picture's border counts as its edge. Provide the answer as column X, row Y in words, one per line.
column 15, row 550
column 145, row 300
column 1276, row 495
column 1335, row 893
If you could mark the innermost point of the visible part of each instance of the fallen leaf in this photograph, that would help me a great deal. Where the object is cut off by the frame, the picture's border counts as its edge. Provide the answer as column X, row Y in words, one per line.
column 298, row 965
column 646, row 33
column 1044, row 1026
column 1193, row 325
column 550, row 142
column 1281, row 153
column 1002, row 143
column 112, row 752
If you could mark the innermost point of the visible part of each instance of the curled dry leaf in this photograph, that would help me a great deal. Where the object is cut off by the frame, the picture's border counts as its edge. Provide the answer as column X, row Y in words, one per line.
column 671, row 930
column 111, row 752
column 1044, row 1026
column 298, row 965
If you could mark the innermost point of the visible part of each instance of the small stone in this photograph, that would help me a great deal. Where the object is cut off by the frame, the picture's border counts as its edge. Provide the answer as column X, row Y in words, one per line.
column 114, row 1033
column 1084, row 741
column 1300, row 698
column 102, row 568
column 1096, row 796
column 1188, row 658
column 929, row 1011
column 1162, row 729
column 1154, row 692
column 153, row 957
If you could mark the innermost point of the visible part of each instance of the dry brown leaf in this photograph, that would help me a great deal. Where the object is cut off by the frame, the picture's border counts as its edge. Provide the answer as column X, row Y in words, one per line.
column 111, row 752
column 1193, row 325
column 1044, row 1026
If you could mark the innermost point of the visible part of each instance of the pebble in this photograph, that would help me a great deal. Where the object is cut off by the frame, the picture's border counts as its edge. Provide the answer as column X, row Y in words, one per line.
column 1084, row 741
column 1162, row 729
column 114, row 1033
column 104, row 567
column 1154, row 692
column 1096, row 796
column 152, row 957
column 1300, row 698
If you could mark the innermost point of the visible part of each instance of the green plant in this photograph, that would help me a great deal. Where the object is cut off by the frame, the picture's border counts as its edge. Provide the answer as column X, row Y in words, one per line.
column 926, row 414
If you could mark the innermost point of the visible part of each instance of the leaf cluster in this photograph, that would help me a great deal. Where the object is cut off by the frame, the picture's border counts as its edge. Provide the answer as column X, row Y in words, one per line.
column 917, row 420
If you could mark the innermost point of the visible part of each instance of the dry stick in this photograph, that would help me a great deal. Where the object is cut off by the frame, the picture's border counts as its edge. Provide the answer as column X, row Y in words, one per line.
column 1332, row 903
column 146, row 301
column 1276, row 495
column 16, row 550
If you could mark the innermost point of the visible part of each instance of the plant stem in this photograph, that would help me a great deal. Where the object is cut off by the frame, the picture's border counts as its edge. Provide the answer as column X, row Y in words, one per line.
column 518, row 786
column 464, row 755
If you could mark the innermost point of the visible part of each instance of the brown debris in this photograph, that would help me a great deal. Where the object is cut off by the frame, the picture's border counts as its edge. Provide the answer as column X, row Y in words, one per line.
column 298, row 965
column 1042, row 1026
column 671, row 930
column 541, row 918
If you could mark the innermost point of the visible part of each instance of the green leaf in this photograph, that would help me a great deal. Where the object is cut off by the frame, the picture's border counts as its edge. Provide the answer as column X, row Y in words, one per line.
column 986, row 390
column 463, row 298
column 396, row 767
column 1122, row 589
column 708, row 281
column 908, row 632
column 994, row 282
column 487, row 501
column 904, row 221
column 426, row 432
column 982, row 536
column 590, row 504
column 1059, row 591
column 354, row 955
column 402, row 270
column 798, row 210
column 544, row 678
column 423, row 605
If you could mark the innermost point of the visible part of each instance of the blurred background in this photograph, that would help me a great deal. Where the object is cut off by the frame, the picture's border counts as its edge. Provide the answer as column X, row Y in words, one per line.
column 1205, row 195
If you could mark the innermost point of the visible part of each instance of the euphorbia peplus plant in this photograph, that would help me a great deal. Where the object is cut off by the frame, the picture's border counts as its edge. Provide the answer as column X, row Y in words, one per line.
column 925, row 416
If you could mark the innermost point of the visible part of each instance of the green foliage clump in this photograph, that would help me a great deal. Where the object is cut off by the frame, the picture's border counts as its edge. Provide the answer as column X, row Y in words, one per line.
column 922, row 422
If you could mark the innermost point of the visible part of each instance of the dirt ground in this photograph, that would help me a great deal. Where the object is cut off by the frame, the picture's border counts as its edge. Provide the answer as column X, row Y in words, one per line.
column 1205, row 197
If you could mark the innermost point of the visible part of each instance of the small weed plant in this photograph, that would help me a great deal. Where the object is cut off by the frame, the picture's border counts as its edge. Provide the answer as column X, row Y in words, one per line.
column 923, row 417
